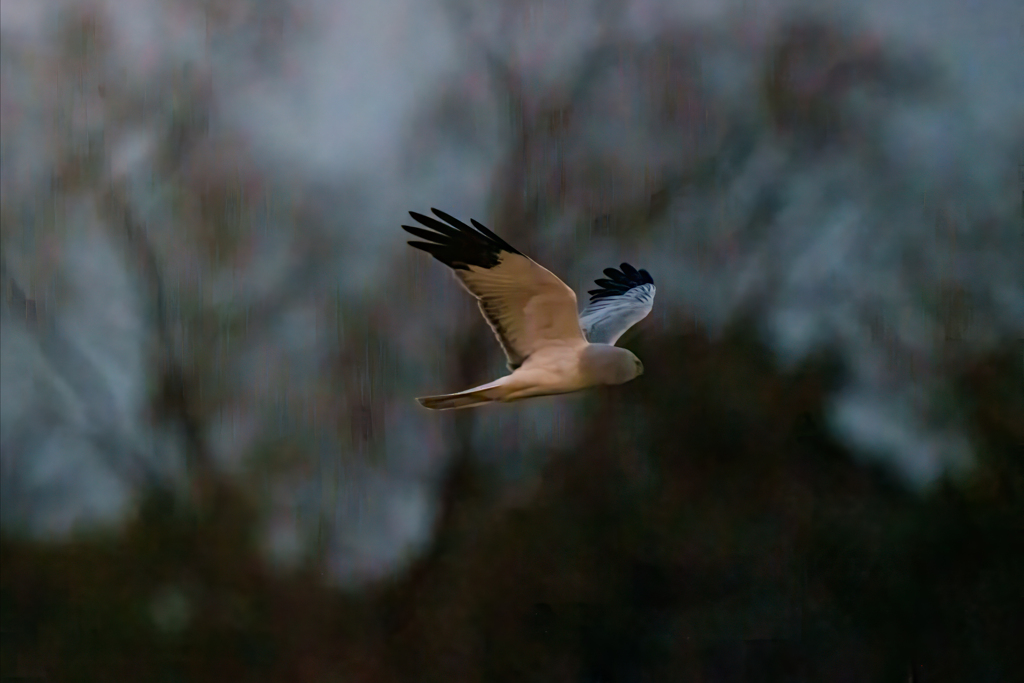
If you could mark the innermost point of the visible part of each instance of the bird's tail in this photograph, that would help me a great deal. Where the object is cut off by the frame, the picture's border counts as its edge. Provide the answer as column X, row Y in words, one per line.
column 477, row 396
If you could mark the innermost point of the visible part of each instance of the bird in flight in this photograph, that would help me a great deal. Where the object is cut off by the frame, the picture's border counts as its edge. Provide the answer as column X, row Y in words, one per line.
column 550, row 348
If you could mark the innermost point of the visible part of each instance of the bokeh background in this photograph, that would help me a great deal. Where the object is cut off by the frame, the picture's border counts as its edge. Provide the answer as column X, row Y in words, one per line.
column 212, row 465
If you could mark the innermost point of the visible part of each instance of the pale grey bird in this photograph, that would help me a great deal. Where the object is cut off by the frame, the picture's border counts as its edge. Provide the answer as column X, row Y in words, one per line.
column 550, row 349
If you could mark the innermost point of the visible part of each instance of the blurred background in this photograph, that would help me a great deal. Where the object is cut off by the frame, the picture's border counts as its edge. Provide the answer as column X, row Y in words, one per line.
column 212, row 465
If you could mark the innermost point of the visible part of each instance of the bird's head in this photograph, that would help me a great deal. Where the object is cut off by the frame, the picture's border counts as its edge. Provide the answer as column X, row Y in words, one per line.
column 607, row 364
column 635, row 366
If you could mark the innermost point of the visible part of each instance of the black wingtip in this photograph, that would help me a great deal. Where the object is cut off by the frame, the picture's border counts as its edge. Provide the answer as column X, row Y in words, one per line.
column 620, row 281
column 456, row 244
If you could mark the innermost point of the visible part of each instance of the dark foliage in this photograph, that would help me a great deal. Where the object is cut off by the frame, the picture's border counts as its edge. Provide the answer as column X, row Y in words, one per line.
column 729, row 539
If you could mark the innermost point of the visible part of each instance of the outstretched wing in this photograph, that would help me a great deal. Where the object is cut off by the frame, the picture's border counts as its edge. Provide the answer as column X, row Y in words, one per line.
column 523, row 302
column 620, row 302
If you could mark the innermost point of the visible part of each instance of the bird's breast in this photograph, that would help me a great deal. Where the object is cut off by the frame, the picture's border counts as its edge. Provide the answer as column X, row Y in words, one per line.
column 555, row 368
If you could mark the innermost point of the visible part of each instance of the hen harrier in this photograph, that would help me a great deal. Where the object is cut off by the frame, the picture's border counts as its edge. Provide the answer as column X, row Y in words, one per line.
column 550, row 349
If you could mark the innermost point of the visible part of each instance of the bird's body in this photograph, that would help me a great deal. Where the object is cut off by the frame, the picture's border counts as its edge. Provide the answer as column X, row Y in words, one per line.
column 550, row 348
